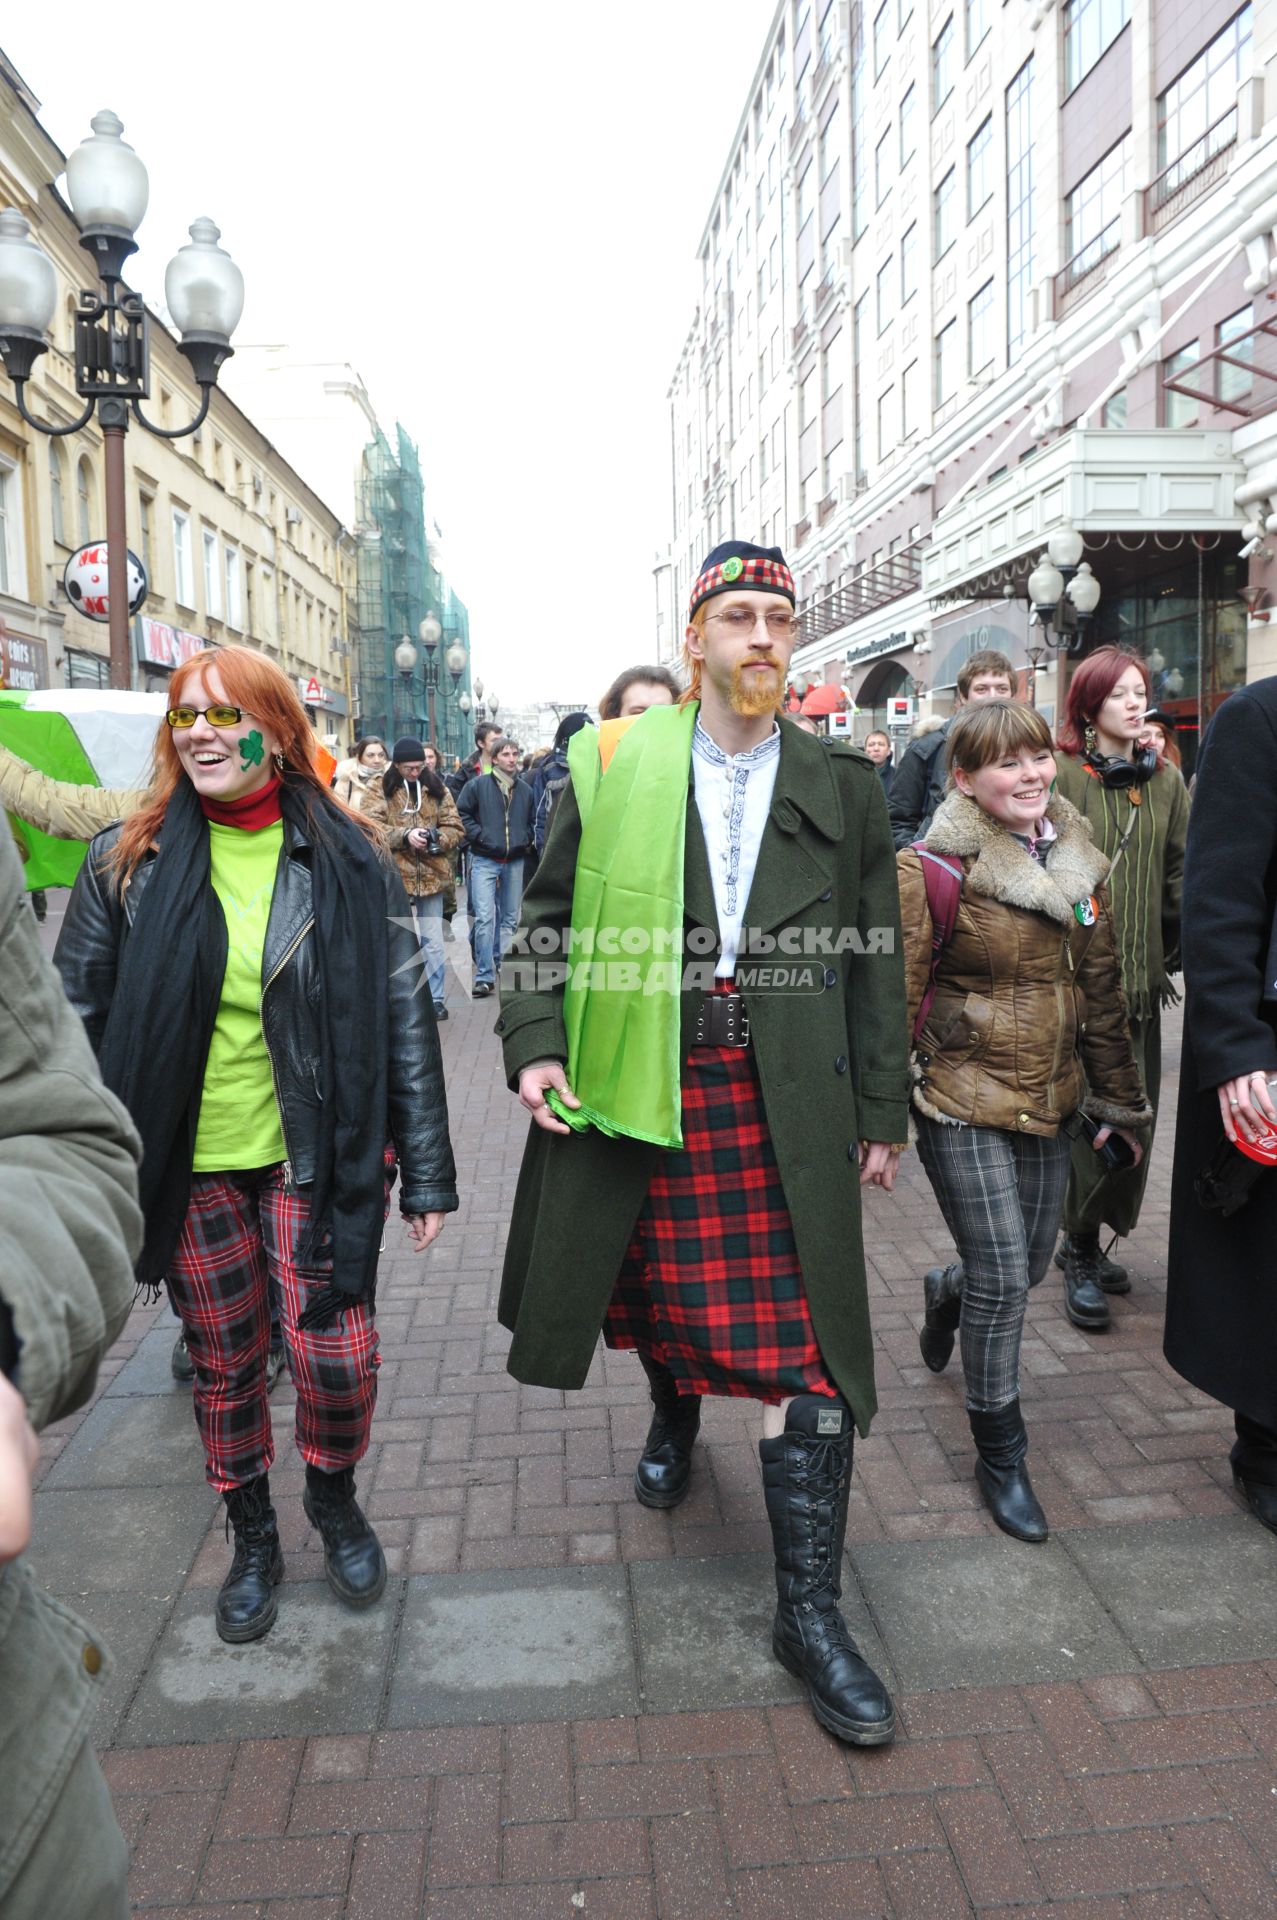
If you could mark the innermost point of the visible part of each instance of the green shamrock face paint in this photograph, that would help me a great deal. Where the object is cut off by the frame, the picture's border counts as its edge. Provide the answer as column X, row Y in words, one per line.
column 252, row 750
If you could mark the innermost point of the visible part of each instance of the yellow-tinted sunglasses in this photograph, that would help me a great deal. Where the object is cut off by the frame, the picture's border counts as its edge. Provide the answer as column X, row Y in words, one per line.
column 183, row 717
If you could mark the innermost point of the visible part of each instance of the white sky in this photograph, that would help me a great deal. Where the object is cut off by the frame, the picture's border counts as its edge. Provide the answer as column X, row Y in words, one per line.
column 492, row 210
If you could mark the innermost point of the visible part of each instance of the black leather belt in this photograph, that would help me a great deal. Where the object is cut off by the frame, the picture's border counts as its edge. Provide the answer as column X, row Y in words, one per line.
column 721, row 1021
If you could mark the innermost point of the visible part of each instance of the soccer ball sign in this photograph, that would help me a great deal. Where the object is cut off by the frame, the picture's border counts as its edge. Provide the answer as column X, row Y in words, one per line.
column 84, row 578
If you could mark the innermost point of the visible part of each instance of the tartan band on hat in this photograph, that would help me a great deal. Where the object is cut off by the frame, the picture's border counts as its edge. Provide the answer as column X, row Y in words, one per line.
column 736, row 567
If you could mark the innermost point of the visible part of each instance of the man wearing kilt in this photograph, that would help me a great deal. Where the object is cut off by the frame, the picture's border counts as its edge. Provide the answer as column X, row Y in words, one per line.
column 705, row 1017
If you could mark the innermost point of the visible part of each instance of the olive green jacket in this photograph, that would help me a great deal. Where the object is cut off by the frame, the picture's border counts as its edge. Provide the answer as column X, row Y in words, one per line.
column 69, row 1228
column 831, row 1051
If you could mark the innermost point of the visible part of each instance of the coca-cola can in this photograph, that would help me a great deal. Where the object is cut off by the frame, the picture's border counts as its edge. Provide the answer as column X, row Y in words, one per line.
column 1264, row 1146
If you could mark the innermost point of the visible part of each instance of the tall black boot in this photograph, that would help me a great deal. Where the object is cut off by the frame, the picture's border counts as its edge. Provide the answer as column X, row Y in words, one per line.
column 665, row 1469
column 942, row 1296
column 1001, row 1475
column 353, row 1560
column 806, row 1481
column 246, row 1604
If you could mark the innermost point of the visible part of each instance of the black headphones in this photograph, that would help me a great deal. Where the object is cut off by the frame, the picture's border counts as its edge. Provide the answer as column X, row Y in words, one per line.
column 1117, row 773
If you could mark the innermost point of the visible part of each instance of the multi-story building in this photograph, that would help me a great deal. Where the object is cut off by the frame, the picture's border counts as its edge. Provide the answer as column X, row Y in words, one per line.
column 236, row 545
column 977, row 273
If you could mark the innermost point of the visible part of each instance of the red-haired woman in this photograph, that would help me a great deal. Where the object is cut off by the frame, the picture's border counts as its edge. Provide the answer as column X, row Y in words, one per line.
column 222, row 947
column 1134, row 801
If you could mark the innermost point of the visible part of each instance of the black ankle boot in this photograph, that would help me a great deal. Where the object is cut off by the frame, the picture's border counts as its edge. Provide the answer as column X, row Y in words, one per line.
column 1001, row 1475
column 942, row 1295
column 246, row 1604
column 1084, row 1302
column 1109, row 1276
column 806, row 1481
column 665, row 1469
column 353, row 1559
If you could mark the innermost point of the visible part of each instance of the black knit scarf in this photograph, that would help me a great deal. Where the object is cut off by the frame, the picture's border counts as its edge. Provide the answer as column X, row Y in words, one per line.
column 155, row 1045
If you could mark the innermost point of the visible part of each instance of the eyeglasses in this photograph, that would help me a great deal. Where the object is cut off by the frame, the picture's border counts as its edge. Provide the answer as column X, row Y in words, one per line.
column 740, row 620
column 183, row 717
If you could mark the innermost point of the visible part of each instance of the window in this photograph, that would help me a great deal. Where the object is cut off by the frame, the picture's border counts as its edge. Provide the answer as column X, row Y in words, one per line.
column 144, row 518
column 942, row 64
column 1093, row 211
column 882, row 39
column 1113, row 413
column 212, row 579
column 266, row 601
column 829, row 145
column 1233, row 378
column 859, row 147
column 183, row 582
column 1197, row 115
column 1019, row 252
column 86, row 669
column 908, row 264
column 1090, row 27
column 234, row 591
column 946, row 363
column 905, row 14
column 908, row 128
column 828, row 32
column 858, row 325
column 806, row 187
column 909, row 400
column 886, row 422
column 884, row 296
column 977, row 23
column 943, row 222
column 882, row 169
column 83, row 497
column 55, row 494
column 980, row 330
column 980, row 167
column 1180, row 409
column 6, row 528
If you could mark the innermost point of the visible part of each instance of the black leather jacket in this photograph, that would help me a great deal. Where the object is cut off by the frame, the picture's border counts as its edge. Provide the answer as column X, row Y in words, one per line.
column 98, row 921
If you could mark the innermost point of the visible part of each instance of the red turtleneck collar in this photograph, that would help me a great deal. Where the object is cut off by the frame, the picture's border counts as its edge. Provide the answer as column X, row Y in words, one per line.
column 251, row 811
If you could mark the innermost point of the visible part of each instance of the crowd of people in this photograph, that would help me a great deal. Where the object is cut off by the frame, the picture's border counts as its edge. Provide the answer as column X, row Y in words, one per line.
column 991, row 929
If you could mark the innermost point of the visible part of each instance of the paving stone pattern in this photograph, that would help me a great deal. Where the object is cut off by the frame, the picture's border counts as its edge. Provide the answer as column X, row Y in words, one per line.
column 566, row 1704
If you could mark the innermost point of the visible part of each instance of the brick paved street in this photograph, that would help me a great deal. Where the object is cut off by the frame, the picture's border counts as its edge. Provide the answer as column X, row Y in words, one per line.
column 566, row 1704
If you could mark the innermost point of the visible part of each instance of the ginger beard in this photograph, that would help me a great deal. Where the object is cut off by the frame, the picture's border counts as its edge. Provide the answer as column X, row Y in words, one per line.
column 756, row 688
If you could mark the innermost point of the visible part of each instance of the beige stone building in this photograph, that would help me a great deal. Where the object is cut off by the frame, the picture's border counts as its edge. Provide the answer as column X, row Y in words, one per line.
column 237, row 547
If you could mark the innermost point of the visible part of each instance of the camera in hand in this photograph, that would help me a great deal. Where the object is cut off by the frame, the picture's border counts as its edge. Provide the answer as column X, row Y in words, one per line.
column 1115, row 1153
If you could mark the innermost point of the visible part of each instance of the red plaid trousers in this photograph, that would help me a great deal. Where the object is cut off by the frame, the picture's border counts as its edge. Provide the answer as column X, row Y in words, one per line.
column 242, row 1230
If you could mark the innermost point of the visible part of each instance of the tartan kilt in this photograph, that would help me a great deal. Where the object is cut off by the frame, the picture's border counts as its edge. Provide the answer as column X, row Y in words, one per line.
column 710, row 1285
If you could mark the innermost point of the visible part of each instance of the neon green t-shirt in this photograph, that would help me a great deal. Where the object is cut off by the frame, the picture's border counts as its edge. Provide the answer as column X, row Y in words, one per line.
column 239, row 1123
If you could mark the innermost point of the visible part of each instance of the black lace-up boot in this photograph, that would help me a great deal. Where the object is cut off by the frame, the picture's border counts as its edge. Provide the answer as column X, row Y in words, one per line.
column 353, row 1559
column 1109, row 1275
column 1084, row 1302
column 806, row 1481
column 1000, row 1472
column 942, row 1297
column 664, row 1471
column 246, row 1604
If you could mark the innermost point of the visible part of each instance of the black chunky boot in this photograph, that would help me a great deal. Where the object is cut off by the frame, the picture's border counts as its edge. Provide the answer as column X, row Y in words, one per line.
column 246, row 1604
column 1001, row 1475
column 353, row 1560
column 664, row 1471
column 942, row 1294
column 1084, row 1303
column 806, row 1481
column 1109, row 1276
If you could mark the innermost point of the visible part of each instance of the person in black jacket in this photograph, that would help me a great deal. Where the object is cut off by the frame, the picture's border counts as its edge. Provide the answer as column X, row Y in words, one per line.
column 878, row 747
column 918, row 785
column 1221, row 1303
column 243, row 958
column 496, row 811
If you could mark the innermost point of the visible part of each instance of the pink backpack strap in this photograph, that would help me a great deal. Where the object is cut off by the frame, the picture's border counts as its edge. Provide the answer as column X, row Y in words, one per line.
column 944, row 891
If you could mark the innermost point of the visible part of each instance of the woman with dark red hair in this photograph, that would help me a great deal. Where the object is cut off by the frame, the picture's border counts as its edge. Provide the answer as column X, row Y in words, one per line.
column 1137, row 805
column 224, row 947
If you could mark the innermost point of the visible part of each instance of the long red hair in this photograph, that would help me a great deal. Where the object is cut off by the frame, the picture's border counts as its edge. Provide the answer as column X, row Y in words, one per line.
column 1091, row 685
column 256, row 684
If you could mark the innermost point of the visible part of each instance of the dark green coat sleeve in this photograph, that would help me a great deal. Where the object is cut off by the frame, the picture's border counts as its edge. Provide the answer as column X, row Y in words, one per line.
column 531, row 1022
column 876, row 1011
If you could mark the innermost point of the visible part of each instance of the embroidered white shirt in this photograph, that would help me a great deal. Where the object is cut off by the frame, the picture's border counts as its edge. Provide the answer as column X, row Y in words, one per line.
column 733, row 798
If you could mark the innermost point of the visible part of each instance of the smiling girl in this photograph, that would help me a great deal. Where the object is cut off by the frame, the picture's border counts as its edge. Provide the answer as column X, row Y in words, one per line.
column 1002, row 1059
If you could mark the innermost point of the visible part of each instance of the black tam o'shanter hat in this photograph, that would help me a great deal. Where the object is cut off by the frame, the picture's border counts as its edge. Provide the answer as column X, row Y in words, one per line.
column 736, row 567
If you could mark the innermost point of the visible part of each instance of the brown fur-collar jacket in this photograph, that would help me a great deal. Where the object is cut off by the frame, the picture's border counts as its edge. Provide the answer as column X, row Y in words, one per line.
column 421, row 873
column 1028, row 1021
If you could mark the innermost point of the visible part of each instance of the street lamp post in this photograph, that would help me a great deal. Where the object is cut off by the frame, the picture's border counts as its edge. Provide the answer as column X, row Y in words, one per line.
column 1064, row 592
column 430, row 633
column 204, row 290
column 406, row 661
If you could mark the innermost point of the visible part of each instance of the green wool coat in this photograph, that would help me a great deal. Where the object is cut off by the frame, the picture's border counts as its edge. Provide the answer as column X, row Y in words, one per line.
column 832, row 1059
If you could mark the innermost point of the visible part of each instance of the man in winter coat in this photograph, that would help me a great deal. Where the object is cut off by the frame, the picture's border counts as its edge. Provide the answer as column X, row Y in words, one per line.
column 918, row 785
column 1221, row 1303
column 496, row 812
column 732, row 1260
column 551, row 777
column 69, row 1228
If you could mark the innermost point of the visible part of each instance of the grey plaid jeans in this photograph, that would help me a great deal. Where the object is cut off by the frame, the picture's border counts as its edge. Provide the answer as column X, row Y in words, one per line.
column 1001, row 1195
